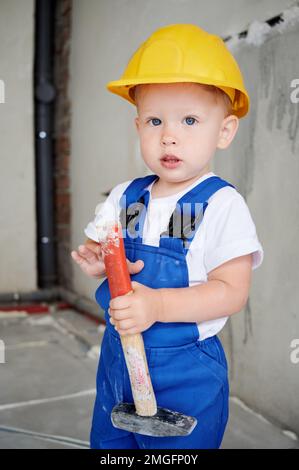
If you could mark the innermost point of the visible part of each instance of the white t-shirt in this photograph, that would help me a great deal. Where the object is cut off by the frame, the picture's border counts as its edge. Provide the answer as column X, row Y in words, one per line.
column 226, row 232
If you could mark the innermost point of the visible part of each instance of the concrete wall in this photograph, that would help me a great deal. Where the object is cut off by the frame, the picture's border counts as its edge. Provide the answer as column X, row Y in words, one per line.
column 262, row 163
column 17, row 186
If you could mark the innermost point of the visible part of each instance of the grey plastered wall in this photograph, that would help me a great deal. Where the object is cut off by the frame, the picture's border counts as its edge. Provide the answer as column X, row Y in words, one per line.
column 17, row 182
column 263, row 164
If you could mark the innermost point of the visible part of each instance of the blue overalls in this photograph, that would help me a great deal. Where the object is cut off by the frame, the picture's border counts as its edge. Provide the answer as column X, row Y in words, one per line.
column 188, row 375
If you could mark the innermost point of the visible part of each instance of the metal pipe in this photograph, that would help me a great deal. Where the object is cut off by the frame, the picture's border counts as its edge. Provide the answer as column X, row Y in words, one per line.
column 44, row 103
column 82, row 304
column 42, row 295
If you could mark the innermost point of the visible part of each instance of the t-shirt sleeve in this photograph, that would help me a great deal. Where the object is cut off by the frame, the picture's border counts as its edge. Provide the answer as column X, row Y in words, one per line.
column 107, row 210
column 230, row 233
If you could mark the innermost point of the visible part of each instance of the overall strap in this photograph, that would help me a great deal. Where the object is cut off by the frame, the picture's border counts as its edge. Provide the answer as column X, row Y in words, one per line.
column 133, row 203
column 135, row 188
column 188, row 214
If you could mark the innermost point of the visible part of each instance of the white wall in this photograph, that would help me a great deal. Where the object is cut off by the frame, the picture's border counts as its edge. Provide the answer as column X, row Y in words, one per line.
column 17, row 185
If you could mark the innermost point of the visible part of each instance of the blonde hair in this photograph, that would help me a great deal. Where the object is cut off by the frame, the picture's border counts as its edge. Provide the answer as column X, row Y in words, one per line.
column 219, row 95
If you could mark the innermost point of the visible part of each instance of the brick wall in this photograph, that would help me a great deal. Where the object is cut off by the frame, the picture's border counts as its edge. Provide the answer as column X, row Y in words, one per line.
column 62, row 142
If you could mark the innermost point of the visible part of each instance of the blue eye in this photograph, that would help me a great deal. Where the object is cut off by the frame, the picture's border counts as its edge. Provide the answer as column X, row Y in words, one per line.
column 190, row 121
column 155, row 121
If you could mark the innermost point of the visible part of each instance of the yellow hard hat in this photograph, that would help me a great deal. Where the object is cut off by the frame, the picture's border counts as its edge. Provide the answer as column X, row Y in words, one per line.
column 184, row 53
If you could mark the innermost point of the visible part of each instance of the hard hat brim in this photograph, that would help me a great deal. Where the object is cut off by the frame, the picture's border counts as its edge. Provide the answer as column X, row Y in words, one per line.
column 122, row 88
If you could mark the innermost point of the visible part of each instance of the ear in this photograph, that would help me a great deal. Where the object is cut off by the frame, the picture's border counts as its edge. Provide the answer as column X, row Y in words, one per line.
column 137, row 123
column 228, row 131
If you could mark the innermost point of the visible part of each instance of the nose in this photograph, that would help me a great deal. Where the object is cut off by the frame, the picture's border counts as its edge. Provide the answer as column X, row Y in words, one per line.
column 168, row 140
column 169, row 135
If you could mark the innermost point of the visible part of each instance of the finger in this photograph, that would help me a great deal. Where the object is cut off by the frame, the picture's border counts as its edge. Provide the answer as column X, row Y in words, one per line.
column 130, row 331
column 84, row 265
column 89, row 255
column 136, row 285
column 124, row 325
column 93, row 246
column 76, row 257
column 96, row 249
column 120, row 303
column 119, row 314
column 135, row 267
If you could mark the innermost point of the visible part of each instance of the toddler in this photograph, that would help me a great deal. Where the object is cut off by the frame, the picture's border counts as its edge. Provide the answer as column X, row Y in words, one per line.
column 190, row 240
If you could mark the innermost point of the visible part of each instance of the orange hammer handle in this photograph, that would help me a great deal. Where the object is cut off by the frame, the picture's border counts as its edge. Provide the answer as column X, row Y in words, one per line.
column 133, row 346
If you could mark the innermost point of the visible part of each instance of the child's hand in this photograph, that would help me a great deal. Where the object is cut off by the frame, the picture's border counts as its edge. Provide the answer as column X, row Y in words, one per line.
column 89, row 258
column 137, row 311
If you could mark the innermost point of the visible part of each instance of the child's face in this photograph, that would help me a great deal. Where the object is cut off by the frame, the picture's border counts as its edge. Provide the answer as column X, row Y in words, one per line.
column 182, row 120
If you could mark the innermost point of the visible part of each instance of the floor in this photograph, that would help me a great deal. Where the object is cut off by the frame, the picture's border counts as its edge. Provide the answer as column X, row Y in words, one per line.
column 48, row 386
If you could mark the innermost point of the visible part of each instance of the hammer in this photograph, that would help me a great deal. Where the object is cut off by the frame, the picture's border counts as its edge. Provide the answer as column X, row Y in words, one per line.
column 142, row 417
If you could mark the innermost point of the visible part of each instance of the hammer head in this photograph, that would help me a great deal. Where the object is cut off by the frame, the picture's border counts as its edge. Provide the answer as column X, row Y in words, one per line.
column 163, row 423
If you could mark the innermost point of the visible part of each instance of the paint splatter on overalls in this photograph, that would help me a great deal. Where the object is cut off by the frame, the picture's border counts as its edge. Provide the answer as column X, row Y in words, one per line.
column 188, row 375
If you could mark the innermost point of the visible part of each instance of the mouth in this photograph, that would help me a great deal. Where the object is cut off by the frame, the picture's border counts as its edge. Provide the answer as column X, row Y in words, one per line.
column 170, row 161
column 170, row 158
